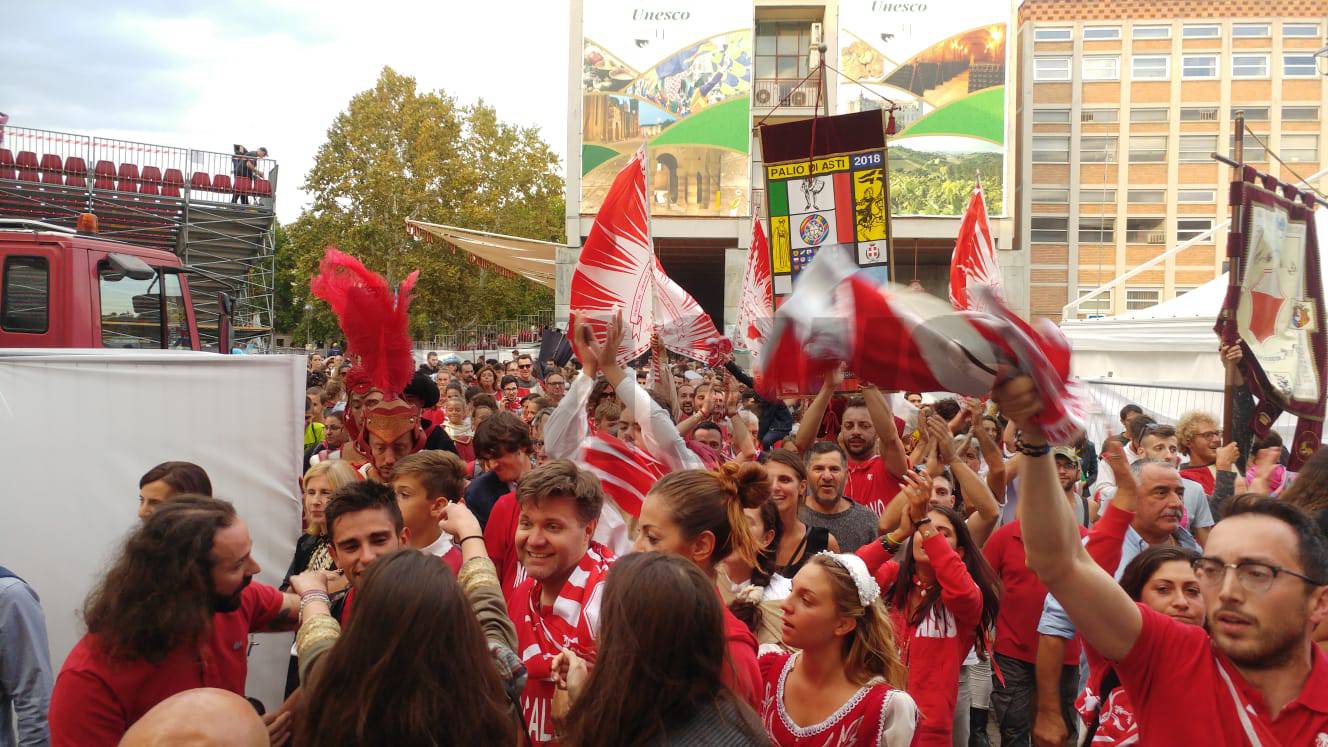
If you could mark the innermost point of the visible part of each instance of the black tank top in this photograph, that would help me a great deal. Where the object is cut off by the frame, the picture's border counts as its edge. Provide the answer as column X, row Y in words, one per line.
column 817, row 539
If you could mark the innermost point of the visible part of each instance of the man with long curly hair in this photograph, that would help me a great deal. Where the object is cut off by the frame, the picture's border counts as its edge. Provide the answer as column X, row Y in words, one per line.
column 174, row 612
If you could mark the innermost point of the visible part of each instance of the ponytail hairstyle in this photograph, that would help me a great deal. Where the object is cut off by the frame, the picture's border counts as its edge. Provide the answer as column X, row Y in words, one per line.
column 702, row 501
column 869, row 650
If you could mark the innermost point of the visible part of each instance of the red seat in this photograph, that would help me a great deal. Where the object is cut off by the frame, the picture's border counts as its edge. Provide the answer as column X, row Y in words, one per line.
column 6, row 163
column 27, row 166
column 128, row 178
column 262, row 187
column 76, row 172
column 104, row 175
column 244, row 185
column 52, row 169
column 151, row 181
column 172, row 182
column 221, row 183
column 200, row 180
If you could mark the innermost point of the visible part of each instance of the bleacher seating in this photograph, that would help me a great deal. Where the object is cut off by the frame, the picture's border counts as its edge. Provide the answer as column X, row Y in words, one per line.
column 104, row 175
column 262, row 187
column 244, row 185
column 6, row 164
column 128, row 178
column 27, row 166
column 221, row 183
column 52, row 169
column 172, row 182
column 151, row 181
column 76, row 172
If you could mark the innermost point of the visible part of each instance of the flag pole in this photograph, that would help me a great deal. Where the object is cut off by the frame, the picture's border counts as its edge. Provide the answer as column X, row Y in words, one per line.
column 1233, row 280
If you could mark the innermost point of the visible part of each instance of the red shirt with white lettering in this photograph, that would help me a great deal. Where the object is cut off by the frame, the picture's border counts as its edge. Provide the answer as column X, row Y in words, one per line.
column 1175, row 677
column 871, row 484
column 96, row 699
column 1022, row 596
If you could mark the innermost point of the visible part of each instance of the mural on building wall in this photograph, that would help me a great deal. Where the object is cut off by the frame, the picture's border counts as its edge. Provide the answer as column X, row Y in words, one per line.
column 945, row 64
column 678, row 77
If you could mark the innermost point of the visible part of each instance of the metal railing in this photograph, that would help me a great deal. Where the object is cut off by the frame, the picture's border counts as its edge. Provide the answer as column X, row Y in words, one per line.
column 95, row 149
column 505, row 334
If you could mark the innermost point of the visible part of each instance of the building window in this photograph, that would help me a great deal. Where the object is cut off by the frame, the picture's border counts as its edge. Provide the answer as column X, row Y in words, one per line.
column 1095, row 195
column 1201, row 31
column 1254, row 152
column 1196, row 195
column 1299, row 148
column 1097, row 149
column 1055, row 34
column 1046, row 230
column 1145, row 230
column 1151, row 32
column 1051, row 116
column 26, row 301
column 1301, row 30
column 783, row 49
column 1251, row 31
column 1051, row 68
column 1097, row 230
column 1198, row 66
column 1099, row 116
column 1249, row 66
column 1198, row 114
column 1189, row 228
column 1299, row 66
column 1102, row 68
column 1057, row 195
column 1051, row 149
column 1147, row 196
column 1253, row 113
column 1148, row 148
column 1148, row 114
column 1197, row 148
column 1141, row 298
column 1300, row 113
column 1151, row 67
column 1097, row 306
column 1101, row 33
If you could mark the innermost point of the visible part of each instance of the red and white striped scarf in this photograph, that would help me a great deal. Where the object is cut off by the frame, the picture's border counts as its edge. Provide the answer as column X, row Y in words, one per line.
column 569, row 623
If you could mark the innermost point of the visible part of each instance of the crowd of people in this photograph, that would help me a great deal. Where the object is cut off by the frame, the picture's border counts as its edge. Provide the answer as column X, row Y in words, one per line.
column 591, row 554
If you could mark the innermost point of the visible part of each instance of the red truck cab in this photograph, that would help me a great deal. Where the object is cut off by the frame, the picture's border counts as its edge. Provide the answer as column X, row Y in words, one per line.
column 61, row 289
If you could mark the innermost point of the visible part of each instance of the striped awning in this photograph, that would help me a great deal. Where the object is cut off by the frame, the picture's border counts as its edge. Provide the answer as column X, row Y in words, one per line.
column 511, row 255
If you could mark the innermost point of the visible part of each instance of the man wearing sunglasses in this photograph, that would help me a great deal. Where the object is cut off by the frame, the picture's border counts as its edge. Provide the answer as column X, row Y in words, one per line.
column 525, row 376
column 1253, row 676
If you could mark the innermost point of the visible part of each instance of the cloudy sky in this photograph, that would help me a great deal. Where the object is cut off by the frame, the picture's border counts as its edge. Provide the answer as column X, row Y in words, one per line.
column 273, row 72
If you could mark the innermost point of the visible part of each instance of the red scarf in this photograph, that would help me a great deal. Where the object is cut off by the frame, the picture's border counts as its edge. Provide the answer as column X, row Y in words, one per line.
column 543, row 632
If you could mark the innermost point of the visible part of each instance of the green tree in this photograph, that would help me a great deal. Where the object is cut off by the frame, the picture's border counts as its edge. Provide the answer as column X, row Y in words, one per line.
column 398, row 153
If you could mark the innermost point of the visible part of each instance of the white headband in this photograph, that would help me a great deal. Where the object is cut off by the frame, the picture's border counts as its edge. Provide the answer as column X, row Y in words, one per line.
column 868, row 590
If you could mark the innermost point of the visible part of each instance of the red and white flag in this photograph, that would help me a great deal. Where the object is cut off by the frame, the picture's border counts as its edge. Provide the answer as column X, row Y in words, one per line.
column 626, row 474
column 618, row 270
column 907, row 341
column 974, row 262
column 756, row 310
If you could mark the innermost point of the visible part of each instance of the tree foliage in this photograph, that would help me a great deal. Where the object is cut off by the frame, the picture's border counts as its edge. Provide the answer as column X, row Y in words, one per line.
column 397, row 153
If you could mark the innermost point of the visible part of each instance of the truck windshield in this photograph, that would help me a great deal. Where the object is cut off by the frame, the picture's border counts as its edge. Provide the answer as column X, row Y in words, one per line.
column 131, row 312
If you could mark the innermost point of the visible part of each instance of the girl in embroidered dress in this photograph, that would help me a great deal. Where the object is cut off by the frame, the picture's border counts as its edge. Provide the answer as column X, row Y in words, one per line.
column 842, row 688
column 942, row 595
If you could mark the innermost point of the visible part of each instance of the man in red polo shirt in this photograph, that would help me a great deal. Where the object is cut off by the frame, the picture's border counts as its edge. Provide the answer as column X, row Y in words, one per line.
column 1254, row 676
column 870, row 437
column 1016, row 647
column 173, row 613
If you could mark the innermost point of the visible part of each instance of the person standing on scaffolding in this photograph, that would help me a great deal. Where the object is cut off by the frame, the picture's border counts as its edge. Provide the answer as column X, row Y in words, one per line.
column 244, row 164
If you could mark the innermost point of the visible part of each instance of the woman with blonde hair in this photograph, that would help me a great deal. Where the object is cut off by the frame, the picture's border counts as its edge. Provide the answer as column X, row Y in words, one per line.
column 698, row 514
column 311, row 549
column 844, row 686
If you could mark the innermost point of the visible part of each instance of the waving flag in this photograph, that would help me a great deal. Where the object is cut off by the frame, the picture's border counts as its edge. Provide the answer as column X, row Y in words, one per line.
column 618, row 269
column 626, row 473
column 907, row 341
column 974, row 263
column 756, row 310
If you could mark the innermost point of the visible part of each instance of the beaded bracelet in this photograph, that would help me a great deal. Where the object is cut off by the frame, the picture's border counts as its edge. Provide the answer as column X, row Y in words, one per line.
column 1031, row 451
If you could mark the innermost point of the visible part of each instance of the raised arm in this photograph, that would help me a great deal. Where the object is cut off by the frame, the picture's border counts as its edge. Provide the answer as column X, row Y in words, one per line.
column 887, row 435
column 811, row 419
column 567, row 426
column 1103, row 613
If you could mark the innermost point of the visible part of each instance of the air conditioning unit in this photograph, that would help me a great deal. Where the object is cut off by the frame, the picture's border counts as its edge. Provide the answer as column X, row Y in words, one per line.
column 798, row 98
column 763, row 96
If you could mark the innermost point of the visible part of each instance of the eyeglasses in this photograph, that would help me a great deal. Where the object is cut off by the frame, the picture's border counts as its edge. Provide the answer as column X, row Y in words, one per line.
column 523, row 365
column 509, row 389
column 1210, row 435
column 1254, row 576
column 556, row 383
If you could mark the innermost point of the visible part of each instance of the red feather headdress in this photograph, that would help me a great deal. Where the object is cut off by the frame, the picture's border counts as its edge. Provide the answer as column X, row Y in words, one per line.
column 374, row 320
